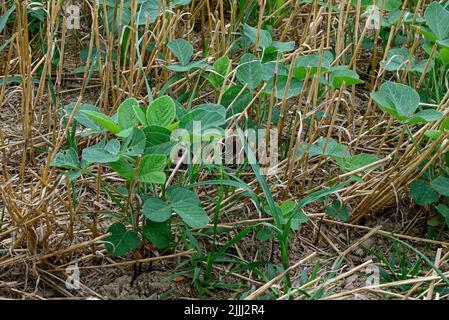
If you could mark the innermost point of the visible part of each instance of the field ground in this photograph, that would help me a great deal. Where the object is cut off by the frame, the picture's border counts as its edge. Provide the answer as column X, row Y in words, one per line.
column 357, row 205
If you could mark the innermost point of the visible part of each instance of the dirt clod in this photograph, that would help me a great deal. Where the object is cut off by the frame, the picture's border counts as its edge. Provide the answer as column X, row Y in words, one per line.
column 147, row 286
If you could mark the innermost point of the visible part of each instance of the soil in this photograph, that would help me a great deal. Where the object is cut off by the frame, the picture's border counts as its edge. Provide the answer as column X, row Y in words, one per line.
column 151, row 285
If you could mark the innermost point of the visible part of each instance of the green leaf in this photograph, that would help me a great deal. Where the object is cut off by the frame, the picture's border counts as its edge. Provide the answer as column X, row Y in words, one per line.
column 426, row 33
column 392, row 4
column 312, row 61
column 388, row 4
column 437, row 18
column 123, row 167
column 220, row 67
column 140, row 113
column 178, row 3
column 385, row 104
column 294, row 89
column 297, row 219
column 436, row 221
column 149, row 9
column 398, row 99
column 441, row 185
column 112, row 146
column 319, row 194
column 239, row 99
column 393, row 17
column 444, row 211
column 67, row 159
column 103, row 120
column 357, row 161
column 284, row 46
column 331, row 149
column 193, row 215
column 208, row 115
column 269, row 69
column 287, row 207
column 126, row 116
column 444, row 43
column 156, row 210
column 125, row 15
column 427, row 115
column 274, row 209
column 182, row 50
column 338, row 209
column 189, row 66
column 249, row 71
column 4, row 18
column 251, row 33
column 314, row 196
column 186, row 204
column 83, row 118
column 158, row 234
column 102, row 152
column 422, row 193
column 179, row 194
column 161, row 112
column 180, row 110
column 156, row 135
column 160, row 148
column 73, row 175
column 445, row 124
column 125, row 133
column 433, row 134
column 444, row 56
column 397, row 59
column 342, row 74
column 134, row 144
column 121, row 240
column 270, row 54
column 420, row 66
column 264, row 234
column 151, row 169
